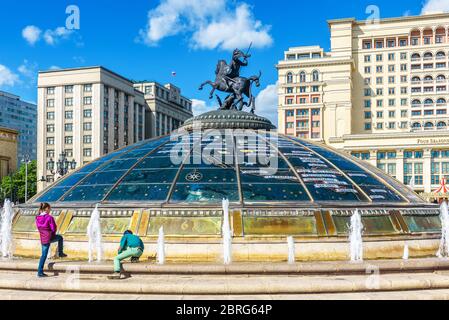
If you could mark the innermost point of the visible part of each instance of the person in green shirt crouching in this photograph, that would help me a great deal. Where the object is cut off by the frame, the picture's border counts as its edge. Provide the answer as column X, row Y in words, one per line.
column 131, row 246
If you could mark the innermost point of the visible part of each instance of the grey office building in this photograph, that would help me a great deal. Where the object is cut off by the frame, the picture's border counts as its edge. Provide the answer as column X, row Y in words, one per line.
column 21, row 116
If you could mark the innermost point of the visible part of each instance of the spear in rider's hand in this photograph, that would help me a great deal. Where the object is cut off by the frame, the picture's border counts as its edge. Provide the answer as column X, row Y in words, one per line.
column 249, row 48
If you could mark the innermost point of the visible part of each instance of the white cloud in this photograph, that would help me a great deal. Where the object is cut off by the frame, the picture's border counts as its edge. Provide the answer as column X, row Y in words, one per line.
column 209, row 24
column 55, row 68
column 200, row 107
column 435, row 6
column 51, row 37
column 31, row 34
column 28, row 69
column 267, row 103
column 7, row 77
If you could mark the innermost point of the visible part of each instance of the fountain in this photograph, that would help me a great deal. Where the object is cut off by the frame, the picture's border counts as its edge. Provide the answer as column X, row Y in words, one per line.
column 94, row 235
column 227, row 235
column 406, row 252
column 161, row 247
column 291, row 250
column 7, row 216
column 355, row 237
column 443, row 252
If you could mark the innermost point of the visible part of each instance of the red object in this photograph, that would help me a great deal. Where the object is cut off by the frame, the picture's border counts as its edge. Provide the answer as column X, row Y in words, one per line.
column 443, row 189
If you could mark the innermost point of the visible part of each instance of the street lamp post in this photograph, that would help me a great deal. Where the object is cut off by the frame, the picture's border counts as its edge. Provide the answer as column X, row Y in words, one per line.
column 63, row 165
column 26, row 160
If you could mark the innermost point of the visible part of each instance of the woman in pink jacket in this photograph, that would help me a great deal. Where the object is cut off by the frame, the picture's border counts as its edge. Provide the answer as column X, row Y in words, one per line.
column 47, row 229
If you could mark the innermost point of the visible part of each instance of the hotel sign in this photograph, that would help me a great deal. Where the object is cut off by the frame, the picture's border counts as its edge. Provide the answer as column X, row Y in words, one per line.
column 433, row 141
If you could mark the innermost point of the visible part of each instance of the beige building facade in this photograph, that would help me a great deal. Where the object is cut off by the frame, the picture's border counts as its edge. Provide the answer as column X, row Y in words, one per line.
column 8, row 151
column 168, row 109
column 381, row 94
column 85, row 113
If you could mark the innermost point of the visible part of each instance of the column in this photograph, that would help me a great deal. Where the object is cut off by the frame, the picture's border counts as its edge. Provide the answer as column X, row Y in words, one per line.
column 400, row 165
column 427, row 166
column 373, row 158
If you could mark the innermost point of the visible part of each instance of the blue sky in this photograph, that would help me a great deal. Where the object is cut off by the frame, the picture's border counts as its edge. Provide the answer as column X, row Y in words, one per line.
column 141, row 39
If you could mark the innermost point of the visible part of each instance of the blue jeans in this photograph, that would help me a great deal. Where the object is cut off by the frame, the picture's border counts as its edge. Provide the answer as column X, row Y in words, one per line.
column 45, row 247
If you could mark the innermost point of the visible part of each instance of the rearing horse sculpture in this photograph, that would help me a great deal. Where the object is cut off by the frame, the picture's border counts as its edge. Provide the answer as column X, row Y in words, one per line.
column 228, row 80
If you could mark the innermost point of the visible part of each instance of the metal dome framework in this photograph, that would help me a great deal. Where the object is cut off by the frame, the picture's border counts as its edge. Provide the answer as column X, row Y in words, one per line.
column 308, row 175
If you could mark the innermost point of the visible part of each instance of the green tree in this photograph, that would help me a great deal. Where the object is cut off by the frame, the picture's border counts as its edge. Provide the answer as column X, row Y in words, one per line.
column 13, row 186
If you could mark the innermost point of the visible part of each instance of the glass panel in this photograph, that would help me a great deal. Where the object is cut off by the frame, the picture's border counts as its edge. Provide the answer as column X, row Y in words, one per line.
column 185, row 226
column 53, row 195
column 261, row 192
column 207, row 193
column 165, row 176
column 140, row 192
column 104, row 178
column 372, row 225
column 87, row 193
column 279, row 226
column 110, row 225
column 324, row 182
column 423, row 224
column 376, row 190
column 25, row 224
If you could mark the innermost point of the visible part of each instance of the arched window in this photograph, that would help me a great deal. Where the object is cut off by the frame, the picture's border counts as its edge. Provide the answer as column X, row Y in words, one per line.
column 441, row 125
column 289, row 77
column 416, row 125
column 416, row 102
column 428, row 55
column 428, row 78
column 441, row 101
column 440, row 54
column 302, row 77
column 315, row 76
column 416, row 79
column 441, row 77
column 416, row 56
column 428, row 125
column 428, row 102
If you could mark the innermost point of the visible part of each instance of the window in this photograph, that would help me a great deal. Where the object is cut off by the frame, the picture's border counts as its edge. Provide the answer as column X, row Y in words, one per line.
column 50, row 128
column 404, row 125
column 68, row 127
column 367, row 70
column 367, row 126
column 316, row 112
column 368, row 115
column 68, row 89
column 87, row 88
column 379, row 114
column 289, row 90
column 68, row 115
column 68, row 140
column 381, row 155
column 403, row 54
column 87, row 101
column 367, row 103
column 148, row 90
column 367, row 58
column 391, row 57
column 50, row 153
column 87, row 126
column 87, row 139
column 50, row 103
column 68, row 102
column 51, row 90
column 50, row 141
column 302, row 77
column 379, row 92
column 289, row 113
column 87, row 113
column 87, row 152
column 50, row 116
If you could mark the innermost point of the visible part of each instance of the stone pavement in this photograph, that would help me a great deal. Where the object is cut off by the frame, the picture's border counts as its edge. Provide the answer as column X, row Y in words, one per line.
column 392, row 279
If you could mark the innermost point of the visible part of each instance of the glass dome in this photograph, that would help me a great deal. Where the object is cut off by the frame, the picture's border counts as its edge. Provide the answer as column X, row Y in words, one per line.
column 204, row 168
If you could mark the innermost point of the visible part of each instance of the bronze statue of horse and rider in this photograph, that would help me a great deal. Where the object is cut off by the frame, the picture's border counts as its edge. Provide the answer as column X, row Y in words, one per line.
column 228, row 80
